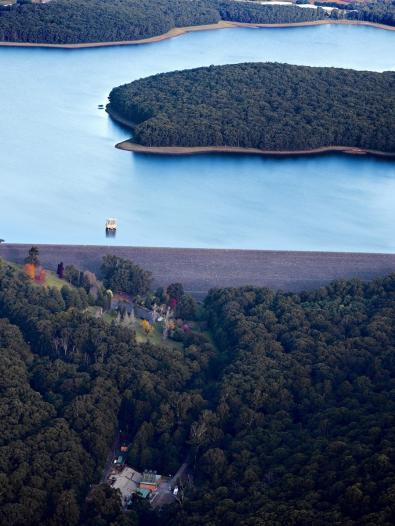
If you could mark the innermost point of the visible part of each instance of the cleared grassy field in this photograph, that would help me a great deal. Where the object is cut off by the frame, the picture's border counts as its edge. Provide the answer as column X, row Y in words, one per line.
column 51, row 278
column 154, row 337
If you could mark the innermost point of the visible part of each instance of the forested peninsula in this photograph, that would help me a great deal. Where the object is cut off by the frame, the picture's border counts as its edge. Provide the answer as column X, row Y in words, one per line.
column 68, row 22
column 283, row 407
column 268, row 107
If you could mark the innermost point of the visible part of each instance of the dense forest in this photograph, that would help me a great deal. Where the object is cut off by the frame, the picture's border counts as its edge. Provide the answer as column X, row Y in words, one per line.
column 74, row 21
column 67, row 382
column 82, row 21
column 255, row 13
column 261, row 105
column 289, row 419
column 381, row 11
column 303, row 428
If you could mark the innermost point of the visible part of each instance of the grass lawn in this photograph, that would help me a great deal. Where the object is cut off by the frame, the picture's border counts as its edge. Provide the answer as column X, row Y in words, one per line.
column 52, row 280
column 106, row 316
column 154, row 337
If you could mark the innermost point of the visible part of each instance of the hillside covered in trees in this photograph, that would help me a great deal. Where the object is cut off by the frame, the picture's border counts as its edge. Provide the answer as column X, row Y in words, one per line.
column 289, row 419
column 381, row 11
column 67, row 382
column 75, row 21
column 302, row 429
column 377, row 11
column 84, row 21
column 261, row 105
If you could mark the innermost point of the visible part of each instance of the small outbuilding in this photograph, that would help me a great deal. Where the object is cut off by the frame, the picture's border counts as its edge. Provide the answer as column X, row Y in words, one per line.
column 150, row 480
column 143, row 493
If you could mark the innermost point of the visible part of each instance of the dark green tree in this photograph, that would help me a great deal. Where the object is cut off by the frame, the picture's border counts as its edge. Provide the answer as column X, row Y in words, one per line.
column 33, row 256
column 175, row 291
column 122, row 275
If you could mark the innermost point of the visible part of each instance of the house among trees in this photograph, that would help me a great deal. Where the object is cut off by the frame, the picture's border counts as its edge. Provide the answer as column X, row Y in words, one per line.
column 130, row 482
column 123, row 303
column 145, row 314
column 127, row 482
column 120, row 460
column 150, row 480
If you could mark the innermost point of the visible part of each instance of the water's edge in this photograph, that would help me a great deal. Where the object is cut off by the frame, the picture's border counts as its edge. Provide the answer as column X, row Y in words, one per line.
column 178, row 31
column 134, row 147
column 131, row 146
column 62, row 176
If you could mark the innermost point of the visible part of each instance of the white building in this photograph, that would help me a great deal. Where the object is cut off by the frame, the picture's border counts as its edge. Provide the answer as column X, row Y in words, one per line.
column 127, row 481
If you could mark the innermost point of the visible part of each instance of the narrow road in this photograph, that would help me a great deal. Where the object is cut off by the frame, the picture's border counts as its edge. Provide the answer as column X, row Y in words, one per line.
column 110, row 459
column 164, row 494
column 179, row 474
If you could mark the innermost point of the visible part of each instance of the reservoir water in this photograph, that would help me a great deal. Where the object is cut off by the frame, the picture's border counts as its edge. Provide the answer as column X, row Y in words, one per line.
column 61, row 176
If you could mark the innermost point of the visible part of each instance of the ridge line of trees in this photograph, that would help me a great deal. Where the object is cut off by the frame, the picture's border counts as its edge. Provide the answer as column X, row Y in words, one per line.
column 84, row 21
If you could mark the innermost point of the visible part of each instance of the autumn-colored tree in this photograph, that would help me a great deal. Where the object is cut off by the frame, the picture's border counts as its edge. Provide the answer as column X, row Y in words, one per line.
column 146, row 326
column 30, row 270
column 41, row 276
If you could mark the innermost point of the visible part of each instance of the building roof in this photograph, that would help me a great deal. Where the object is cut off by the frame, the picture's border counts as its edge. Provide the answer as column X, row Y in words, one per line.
column 126, row 481
column 143, row 492
column 120, row 459
column 149, row 477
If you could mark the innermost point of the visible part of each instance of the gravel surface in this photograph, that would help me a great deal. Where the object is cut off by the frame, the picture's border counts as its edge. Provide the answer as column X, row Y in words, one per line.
column 202, row 269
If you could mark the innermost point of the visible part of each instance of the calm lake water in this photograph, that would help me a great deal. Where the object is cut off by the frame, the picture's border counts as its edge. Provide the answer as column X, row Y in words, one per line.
column 61, row 176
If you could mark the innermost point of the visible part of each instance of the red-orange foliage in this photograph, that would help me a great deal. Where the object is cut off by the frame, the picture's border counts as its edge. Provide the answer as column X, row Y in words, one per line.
column 30, row 270
column 41, row 276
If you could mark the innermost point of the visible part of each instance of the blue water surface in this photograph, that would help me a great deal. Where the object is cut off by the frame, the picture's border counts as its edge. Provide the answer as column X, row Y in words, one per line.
column 61, row 177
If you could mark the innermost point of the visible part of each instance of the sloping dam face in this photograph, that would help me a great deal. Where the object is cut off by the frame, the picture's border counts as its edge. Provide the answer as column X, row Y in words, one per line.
column 199, row 270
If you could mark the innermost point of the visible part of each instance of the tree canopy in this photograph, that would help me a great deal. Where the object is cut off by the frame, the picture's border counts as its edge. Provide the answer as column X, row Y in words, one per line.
column 381, row 11
column 269, row 106
column 81, row 21
column 122, row 275
column 288, row 419
column 68, row 382
column 302, row 430
column 84, row 21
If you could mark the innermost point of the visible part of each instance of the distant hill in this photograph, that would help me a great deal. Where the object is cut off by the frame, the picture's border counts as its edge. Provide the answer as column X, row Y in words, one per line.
column 87, row 21
column 268, row 106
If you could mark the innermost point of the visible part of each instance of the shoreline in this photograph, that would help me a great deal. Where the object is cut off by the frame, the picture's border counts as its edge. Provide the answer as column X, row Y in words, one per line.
column 178, row 31
column 200, row 269
column 119, row 119
column 131, row 146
